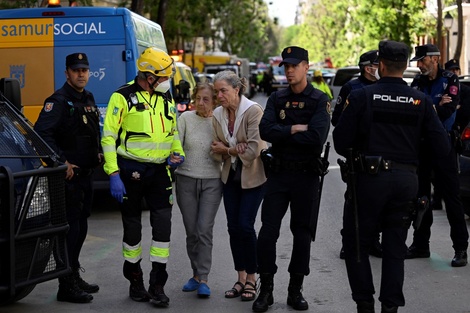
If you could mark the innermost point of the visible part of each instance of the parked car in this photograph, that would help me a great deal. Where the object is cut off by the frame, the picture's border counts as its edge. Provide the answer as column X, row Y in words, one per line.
column 464, row 159
column 33, row 220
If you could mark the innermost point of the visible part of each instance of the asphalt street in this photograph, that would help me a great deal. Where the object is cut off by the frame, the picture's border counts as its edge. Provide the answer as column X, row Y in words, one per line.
column 431, row 285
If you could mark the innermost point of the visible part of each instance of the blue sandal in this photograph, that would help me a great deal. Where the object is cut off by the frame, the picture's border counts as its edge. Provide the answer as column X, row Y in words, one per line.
column 203, row 291
column 191, row 285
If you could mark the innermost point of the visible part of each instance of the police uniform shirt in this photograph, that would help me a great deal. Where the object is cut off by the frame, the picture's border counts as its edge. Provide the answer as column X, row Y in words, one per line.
column 445, row 83
column 388, row 119
column 351, row 85
column 69, row 124
column 284, row 109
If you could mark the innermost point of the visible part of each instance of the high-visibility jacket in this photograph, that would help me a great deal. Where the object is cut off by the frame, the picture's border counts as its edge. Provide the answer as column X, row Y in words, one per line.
column 139, row 126
column 323, row 87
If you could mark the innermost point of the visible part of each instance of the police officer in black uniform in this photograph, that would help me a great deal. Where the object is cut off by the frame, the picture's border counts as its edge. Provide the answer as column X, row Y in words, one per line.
column 368, row 67
column 383, row 124
column 461, row 120
column 463, row 109
column 443, row 87
column 69, row 123
column 296, row 122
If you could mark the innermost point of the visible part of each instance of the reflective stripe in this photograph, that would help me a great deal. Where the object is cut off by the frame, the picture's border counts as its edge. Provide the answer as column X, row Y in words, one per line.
column 159, row 251
column 109, row 149
column 132, row 254
column 110, row 134
column 139, row 159
column 149, row 145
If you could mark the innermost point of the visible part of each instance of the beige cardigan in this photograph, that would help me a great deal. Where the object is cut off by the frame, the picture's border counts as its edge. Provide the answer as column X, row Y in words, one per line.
column 246, row 129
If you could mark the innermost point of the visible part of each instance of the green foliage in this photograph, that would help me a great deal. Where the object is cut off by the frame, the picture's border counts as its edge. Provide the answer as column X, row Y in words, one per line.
column 18, row 4
column 344, row 29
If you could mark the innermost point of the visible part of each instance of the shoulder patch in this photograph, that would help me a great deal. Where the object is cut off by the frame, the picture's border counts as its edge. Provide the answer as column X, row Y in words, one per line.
column 338, row 101
column 48, row 106
column 453, row 90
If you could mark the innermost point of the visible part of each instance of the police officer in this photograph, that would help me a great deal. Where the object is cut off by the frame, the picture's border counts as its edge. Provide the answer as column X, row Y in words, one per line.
column 383, row 123
column 296, row 122
column 140, row 139
column 368, row 67
column 463, row 109
column 69, row 123
column 443, row 87
column 461, row 120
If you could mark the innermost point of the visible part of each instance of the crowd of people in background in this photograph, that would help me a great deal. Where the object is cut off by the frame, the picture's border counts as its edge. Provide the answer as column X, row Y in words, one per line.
column 230, row 149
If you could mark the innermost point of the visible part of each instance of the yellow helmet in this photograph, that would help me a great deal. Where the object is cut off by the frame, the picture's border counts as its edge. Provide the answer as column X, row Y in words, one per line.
column 155, row 61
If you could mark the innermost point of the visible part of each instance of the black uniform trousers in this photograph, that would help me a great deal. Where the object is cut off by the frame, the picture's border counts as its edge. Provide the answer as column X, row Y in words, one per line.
column 154, row 185
column 79, row 201
column 300, row 190
column 446, row 180
column 384, row 199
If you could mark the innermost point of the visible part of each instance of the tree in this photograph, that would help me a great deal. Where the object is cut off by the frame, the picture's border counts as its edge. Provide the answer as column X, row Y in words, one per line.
column 344, row 29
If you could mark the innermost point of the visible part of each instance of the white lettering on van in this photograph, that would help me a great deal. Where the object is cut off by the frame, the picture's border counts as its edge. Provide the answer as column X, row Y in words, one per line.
column 100, row 74
column 78, row 29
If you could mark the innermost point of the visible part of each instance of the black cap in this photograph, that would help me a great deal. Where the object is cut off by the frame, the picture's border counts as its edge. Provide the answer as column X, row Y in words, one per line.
column 77, row 60
column 393, row 51
column 451, row 64
column 367, row 58
column 425, row 50
column 294, row 55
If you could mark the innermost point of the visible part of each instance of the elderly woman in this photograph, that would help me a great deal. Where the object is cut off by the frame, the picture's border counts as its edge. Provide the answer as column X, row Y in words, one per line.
column 198, row 186
column 237, row 142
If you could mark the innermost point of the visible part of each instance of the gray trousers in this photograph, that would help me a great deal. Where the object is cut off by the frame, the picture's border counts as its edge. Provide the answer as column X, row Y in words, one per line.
column 199, row 200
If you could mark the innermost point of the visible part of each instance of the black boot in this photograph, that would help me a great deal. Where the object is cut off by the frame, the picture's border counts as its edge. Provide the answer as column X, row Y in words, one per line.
column 365, row 307
column 158, row 278
column 70, row 292
column 89, row 288
column 294, row 295
column 133, row 273
column 265, row 297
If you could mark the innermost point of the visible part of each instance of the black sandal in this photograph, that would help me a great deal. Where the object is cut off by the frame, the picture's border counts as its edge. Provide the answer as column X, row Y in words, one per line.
column 249, row 292
column 234, row 292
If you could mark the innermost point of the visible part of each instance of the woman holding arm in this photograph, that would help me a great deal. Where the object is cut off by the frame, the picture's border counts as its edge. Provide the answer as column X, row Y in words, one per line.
column 237, row 144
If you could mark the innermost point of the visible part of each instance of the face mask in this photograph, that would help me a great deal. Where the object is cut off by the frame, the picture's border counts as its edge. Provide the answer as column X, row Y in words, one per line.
column 376, row 74
column 163, row 87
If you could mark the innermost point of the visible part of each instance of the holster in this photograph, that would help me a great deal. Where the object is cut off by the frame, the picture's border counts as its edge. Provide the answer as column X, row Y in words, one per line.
column 421, row 206
column 344, row 169
column 371, row 164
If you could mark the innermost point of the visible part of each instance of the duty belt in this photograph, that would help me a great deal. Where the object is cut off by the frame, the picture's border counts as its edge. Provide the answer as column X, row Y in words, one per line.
column 374, row 164
column 299, row 166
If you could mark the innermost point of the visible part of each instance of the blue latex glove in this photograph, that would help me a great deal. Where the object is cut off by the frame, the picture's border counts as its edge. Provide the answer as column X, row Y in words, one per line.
column 174, row 165
column 117, row 187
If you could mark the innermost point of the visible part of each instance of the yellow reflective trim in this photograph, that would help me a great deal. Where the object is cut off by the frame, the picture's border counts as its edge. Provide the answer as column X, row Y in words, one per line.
column 159, row 251
column 132, row 253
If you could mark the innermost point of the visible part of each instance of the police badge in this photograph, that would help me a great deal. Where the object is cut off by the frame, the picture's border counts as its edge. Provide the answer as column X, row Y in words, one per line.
column 282, row 114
